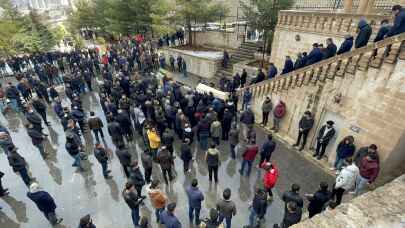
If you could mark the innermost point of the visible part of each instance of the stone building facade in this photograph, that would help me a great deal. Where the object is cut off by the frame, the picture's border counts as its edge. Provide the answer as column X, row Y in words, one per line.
column 371, row 102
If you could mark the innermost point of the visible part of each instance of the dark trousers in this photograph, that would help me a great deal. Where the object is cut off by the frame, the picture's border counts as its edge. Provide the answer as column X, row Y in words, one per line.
column 43, row 115
column 167, row 175
column 265, row 118
column 264, row 157
column 233, row 152
column 96, row 132
column 126, row 169
column 213, row 170
column 338, row 192
column 225, row 134
column 216, row 140
column 186, row 165
column 148, row 174
column 24, row 175
column 320, row 148
column 194, row 212
column 104, row 167
column 304, row 135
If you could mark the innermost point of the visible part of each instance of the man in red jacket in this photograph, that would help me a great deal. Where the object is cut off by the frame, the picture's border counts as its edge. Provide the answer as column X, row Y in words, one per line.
column 269, row 178
column 369, row 168
column 248, row 157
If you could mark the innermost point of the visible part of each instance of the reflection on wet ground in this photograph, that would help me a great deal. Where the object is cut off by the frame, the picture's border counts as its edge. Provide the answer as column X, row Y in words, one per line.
column 81, row 193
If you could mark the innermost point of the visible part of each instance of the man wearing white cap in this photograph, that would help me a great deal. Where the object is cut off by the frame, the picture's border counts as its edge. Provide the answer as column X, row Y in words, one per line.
column 44, row 202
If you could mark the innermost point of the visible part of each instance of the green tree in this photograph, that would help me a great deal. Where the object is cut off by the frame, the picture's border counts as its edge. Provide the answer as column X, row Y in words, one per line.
column 262, row 15
column 189, row 11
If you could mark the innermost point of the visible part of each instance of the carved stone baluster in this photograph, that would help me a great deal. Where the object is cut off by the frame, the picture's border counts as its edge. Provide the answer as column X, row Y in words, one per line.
column 328, row 24
column 393, row 54
column 316, row 75
column 308, row 76
column 301, row 79
column 353, row 25
column 341, row 67
column 280, row 20
column 402, row 51
column 364, row 61
column 353, row 63
column 285, row 83
column 331, row 71
column 289, row 20
column 289, row 81
column 322, row 74
column 279, row 84
column 346, row 25
column 322, row 23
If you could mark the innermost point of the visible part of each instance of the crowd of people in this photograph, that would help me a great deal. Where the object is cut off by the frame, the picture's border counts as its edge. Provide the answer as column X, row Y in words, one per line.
column 321, row 52
column 137, row 103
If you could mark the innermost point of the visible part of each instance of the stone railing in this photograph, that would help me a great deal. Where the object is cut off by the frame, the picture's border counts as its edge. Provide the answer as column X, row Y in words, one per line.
column 338, row 24
column 388, row 50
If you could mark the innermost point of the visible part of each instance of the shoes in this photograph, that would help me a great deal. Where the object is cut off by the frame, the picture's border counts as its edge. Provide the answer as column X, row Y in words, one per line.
column 4, row 193
column 314, row 155
column 295, row 145
column 59, row 220
column 319, row 157
column 301, row 148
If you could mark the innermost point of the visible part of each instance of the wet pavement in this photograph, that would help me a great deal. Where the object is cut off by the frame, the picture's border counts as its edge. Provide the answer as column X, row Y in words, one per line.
column 80, row 193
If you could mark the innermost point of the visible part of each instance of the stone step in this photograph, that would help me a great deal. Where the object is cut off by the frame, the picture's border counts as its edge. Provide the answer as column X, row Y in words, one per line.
column 250, row 44
column 242, row 55
column 241, row 58
column 247, row 50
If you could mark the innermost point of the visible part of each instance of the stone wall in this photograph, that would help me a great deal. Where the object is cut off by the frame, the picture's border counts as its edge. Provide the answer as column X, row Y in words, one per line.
column 228, row 40
column 372, row 109
column 200, row 66
column 314, row 27
column 383, row 207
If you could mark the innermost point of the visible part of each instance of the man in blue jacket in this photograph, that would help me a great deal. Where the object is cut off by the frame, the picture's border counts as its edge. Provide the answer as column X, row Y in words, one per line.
column 272, row 71
column 288, row 65
column 195, row 197
column 314, row 56
column 384, row 29
column 364, row 34
column 168, row 219
column 346, row 46
column 399, row 22
column 44, row 202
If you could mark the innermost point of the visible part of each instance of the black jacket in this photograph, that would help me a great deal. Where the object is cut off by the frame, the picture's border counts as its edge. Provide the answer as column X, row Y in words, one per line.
column 124, row 156
column 364, row 34
column 290, row 196
column 381, row 33
column 36, row 136
column 325, row 139
column 291, row 218
column 132, row 199
column 306, row 124
column 330, row 51
column 185, row 152
column 101, row 155
column 33, row 118
column 115, row 130
column 259, row 205
column 39, row 106
column 136, row 177
column 318, row 201
column 16, row 161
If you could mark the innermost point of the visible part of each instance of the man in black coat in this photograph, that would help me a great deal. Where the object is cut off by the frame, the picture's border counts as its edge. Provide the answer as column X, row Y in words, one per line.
column 318, row 200
column 125, row 158
column 34, row 119
column 136, row 177
column 324, row 136
column 305, row 125
column 37, row 138
column 40, row 107
column 133, row 201
column 115, row 131
column 384, row 29
column 18, row 163
column 346, row 46
column 259, row 207
column 399, row 21
column 267, row 149
column 330, row 49
column 226, row 124
column 102, row 157
column 44, row 202
column 292, row 215
column 364, row 34
column 125, row 124
column 293, row 196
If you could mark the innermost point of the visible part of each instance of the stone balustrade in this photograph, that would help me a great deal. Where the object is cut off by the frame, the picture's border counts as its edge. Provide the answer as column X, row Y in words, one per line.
column 358, row 59
column 337, row 24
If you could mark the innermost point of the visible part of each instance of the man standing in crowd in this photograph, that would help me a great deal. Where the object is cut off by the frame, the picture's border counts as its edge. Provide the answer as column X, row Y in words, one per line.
column 305, row 125
column 195, row 198
column 325, row 134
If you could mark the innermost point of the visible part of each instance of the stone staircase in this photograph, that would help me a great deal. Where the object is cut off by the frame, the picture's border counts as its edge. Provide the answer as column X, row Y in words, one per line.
column 244, row 52
column 356, row 86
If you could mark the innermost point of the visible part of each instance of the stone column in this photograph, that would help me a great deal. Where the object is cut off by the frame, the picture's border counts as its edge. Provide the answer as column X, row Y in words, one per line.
column 365, row 6
column 348, row 6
